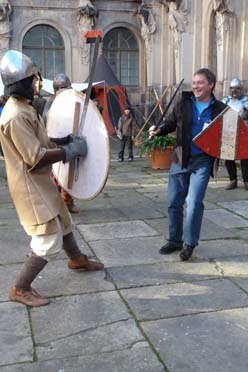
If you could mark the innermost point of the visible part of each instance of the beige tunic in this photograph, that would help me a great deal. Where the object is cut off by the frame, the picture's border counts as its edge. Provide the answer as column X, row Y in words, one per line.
column 24, row 141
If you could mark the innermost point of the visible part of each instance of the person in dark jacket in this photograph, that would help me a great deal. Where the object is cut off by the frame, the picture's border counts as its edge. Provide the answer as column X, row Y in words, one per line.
column 191, row 167
column 126, row 133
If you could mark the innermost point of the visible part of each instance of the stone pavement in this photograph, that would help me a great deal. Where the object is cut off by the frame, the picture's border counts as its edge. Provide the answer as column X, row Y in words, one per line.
column 145, row 312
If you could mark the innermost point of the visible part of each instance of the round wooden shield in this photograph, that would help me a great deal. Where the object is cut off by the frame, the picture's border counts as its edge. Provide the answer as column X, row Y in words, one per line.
column 83, row 178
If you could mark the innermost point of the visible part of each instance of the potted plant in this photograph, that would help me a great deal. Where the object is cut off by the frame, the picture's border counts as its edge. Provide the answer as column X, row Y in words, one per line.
column 159, row 149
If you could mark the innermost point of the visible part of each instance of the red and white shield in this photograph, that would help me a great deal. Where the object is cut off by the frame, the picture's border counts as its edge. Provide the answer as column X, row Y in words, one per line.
column 226, row 137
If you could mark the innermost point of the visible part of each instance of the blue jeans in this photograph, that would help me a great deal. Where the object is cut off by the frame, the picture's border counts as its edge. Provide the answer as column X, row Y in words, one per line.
column 188, row 184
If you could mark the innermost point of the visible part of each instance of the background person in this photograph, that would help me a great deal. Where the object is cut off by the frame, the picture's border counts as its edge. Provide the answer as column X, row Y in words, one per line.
column 238, row 102
column 191, row 167
column 126, row 132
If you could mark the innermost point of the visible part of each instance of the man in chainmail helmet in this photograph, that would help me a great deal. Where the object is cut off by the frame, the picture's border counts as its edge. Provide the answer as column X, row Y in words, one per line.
column 29, row 155
column 60, row 83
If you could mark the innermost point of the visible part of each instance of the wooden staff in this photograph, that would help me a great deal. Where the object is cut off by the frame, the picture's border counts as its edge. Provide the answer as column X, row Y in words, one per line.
column 157, row 100
column 74, row 131
column 150, row 115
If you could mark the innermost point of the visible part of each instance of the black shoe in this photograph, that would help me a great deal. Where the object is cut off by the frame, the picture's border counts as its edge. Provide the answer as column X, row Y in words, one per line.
column 186, row 252
column 120, row 159
column 170, row 247
column 232, row 185
column 130, row 159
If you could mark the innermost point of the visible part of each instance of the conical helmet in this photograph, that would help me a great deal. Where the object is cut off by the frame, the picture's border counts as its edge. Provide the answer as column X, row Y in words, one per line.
column 61, row 81
column 16, row 66
column 235, row 83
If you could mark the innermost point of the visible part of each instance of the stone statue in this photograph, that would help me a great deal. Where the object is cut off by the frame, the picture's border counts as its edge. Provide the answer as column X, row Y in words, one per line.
column 87, row 15
column 148, row 25
column 177, row 18
column 224, row 15
column 222, row 6
column 5, row 25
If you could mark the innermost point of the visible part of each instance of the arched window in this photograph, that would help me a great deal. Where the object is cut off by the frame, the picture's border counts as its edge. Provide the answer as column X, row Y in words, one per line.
column 45, row 46
column 121, row 50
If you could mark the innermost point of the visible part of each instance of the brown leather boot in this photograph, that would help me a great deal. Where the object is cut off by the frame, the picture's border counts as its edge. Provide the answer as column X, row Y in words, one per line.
column 22, row 290
column 69, row 201
column 82, row 262
column 28, row 297
column 78, row 260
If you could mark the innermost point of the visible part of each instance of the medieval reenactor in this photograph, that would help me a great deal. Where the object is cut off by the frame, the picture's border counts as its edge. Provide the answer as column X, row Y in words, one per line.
column 238, row 102
column 60, row 83
column 29, row 155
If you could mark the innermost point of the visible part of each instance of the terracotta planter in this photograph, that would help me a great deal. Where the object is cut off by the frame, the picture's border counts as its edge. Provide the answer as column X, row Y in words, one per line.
column 161, row 159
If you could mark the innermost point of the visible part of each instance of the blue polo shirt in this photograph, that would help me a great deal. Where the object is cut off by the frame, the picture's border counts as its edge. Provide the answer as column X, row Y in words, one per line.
column 201, row 114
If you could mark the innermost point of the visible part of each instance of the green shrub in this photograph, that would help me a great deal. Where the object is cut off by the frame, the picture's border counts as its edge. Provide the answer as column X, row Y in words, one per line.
column 157, row 142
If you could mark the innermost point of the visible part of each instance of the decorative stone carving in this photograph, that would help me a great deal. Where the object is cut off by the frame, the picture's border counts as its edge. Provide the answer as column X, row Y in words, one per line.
column 223, row 19
column 87, row 15
column 148, row 26
column 5, row 25
column 177, row 17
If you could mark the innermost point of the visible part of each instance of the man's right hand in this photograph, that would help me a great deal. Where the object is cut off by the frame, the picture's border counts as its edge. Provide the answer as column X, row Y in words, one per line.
column 77, row 147
column 153, row 131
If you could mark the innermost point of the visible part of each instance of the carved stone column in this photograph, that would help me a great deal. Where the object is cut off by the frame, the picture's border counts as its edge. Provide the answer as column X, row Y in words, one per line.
column 147, row 22
column 87, row 15
column 177, row 20
column 5, row 26
column 225, row 27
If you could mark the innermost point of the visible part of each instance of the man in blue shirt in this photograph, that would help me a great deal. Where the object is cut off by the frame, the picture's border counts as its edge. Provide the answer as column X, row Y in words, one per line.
column 191, row 167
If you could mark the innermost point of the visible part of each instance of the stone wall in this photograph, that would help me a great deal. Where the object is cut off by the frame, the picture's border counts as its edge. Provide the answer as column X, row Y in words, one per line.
column 172, row 45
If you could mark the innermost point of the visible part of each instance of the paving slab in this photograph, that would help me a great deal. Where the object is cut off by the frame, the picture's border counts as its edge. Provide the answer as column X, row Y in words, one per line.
column 126, row 252
column 57, row 280
column 239, row 207
column 7, row 275
column 142, row 212
column 225, row 218
column 15, row 334
column 14, row 245
column 162, row 273
column 243, row 233
column 139, row 358
column 217, row 195
column 159, row 188
column 156, row 196
column 234, row 266
column 116, row 230
column 136, row 199
column 242, row 283
column 221, row 248
column 207, row 342
column 184, row 298
column 113, row 185
column 67, row 316
column 9, row 223
column 104, row 339
column 8, row 212
column 98, row 215
column 209, row 230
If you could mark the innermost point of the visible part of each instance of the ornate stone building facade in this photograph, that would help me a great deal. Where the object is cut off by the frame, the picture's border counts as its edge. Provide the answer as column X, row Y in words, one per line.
column 148, row 43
